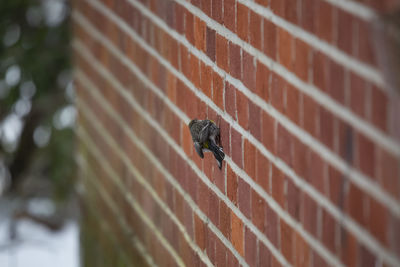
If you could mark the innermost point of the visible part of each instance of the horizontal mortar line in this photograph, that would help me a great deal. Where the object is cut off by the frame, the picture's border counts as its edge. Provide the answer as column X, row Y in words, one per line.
column 105, row 226
column 246, row 178
column 355, row 176
column 309, row 89
column 133, row 203
column 356, row 8
column 187, row 197
column 347, row 221
column 359, row 67
column 142, row 181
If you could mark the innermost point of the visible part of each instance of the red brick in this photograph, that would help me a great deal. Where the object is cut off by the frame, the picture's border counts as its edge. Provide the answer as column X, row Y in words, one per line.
column 264, row 255
column 326, row 127
column 257, row 210
column 210, row 43
column 206, row 7
column 206, row 79
column 365, row 42
column 200, row 34
column 229, row 14
column 224, row 219
column 355, row 204
column 244, row 198
column 235, row 60
column 225, row 134
column 348, row 247
column 394, row 229
column 221, row 256
column 231, row 260
column 309, row 214
column 270, row 39
column 278, row 186
column 310, row 115
column 218, row 90
column 242, row 110
column 255, row 30
column 292, row 11
column 293, row 200
column 210, row 249
column 321, row 71
column 236, row 147
column 249, row 71
column 213, row 208
column 200, row 233
column 222, row 52
column 197, row 3
column 277, row 92
column 389, row 173
column 336, row 87
column 293, row 104
column 189, row 27
column 301, row 64
column 230, row 100
column 232, row 185
column 366, row 155
column 284, row 145
column 317, row 172
column 378, row 221
column 262, row 81
column 237, row 233
column 271, row 225
column 328, row 231
column 357, row 95
column 179, row 19
column 285, row 44
column 367, row 258
column 287, row 241
column 262, row 171
column 324, row 21
column 219, row 176
column 308, row 15
column 242, row 26
column 345, row 33
column 278, row 7
column 195, row 70
column 379, row 108
column 302, row 252
column 250, row 159
column 336, row 186
column 203, row 197
column 255, row 120
column 184, row 61
column 216, row 11
column 318, row 260
column 268, row 132
column 250, row 244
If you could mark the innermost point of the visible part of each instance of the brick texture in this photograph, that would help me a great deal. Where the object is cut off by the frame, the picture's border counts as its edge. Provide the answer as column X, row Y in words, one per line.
column 308, row 125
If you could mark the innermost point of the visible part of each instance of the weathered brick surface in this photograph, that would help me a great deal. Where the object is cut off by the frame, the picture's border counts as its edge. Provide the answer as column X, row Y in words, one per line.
column 308, row 125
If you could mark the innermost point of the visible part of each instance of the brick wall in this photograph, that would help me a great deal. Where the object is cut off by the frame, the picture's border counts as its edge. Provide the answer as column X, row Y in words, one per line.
column 310, row 128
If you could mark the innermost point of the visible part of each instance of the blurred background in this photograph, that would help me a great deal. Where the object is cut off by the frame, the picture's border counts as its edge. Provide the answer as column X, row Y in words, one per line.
column 38, row 210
